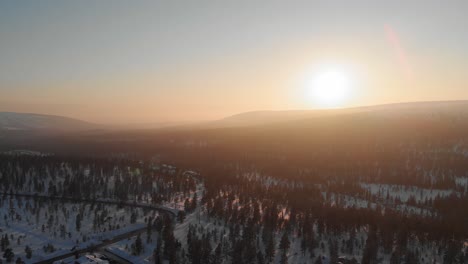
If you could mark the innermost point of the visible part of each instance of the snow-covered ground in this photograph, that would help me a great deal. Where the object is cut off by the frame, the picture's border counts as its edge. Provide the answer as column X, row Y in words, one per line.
column 21, row 152
column 404, row 193
column 122, row 249
column 88, row 258
column 40, row 224
column 462, row 181
column 205, row 224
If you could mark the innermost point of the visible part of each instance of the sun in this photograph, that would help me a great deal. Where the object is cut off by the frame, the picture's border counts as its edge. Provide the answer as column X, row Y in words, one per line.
column 329, row 88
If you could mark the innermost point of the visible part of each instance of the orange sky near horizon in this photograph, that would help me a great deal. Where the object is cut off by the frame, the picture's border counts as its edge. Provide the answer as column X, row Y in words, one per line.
column 390, row 59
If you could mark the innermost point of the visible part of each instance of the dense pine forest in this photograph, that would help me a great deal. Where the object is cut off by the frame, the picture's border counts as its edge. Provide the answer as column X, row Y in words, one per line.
column 238, row 212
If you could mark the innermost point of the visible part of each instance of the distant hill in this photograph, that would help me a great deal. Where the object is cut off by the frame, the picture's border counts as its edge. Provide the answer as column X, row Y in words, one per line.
column 453, row 110
column 299, row 132
column 266, row 117
column 11, row 121
column 424, row 110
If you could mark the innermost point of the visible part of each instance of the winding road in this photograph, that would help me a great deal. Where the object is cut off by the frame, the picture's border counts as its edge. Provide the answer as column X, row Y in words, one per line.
column 169, row 211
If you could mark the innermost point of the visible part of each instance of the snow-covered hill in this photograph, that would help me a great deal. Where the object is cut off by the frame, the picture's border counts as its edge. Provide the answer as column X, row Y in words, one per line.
column 27, row 121
column 452, row 110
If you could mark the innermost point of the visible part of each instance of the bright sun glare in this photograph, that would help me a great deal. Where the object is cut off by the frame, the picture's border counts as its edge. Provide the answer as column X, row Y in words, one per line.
column 329, row 88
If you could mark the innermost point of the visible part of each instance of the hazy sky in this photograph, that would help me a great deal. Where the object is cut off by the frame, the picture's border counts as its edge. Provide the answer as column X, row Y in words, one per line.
column 152, row 61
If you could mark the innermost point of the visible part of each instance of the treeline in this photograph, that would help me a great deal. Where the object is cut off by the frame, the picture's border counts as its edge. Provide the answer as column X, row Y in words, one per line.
column 88, row 178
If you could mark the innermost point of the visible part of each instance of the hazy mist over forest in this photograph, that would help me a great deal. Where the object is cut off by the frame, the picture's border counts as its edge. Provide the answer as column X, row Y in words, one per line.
column 234, row 132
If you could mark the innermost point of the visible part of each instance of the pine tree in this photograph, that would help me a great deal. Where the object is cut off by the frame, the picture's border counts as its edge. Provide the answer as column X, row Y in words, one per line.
column 303, row 246
column 28, row 252
column 260, row 257
column 5, row 243
column 284, row 243
column 284, row 258
column 8, row 254
column 181, row 216
column 193, row 205
column 187, row 206
column 149, row 230
column 133, row 218
column 395, row 258
column 156, row 254
column 217, row 258
column 369, row 255
column 206, row 250
column 319, row 260
column 333, row 248
column 78, row 222
column 138, row 245
column 270, row 249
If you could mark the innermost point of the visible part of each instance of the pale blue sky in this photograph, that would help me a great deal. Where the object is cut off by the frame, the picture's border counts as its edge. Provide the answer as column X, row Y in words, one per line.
column 80, row 58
